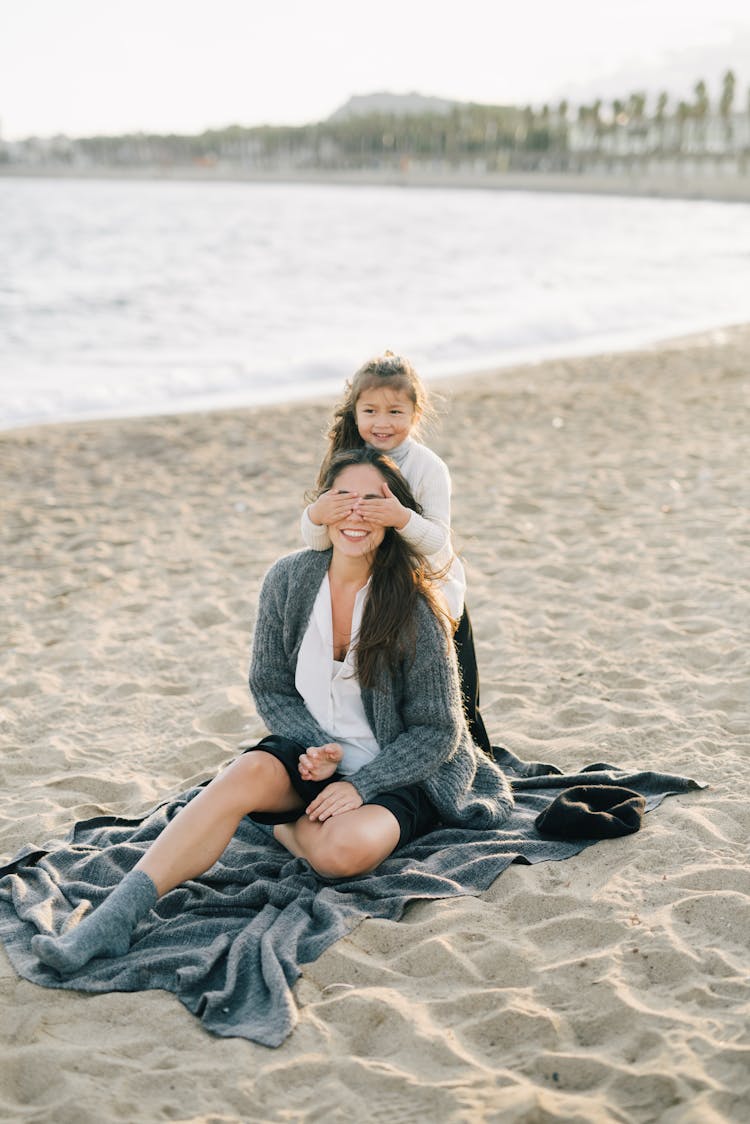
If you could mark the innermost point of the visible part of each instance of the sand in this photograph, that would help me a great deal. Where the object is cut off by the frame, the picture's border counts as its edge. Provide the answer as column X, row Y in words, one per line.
column 601, row 506
column 651, row 179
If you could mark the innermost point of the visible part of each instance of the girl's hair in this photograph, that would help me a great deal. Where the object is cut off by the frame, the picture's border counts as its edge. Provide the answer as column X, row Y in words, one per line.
column 387, row 370
column 400, row 575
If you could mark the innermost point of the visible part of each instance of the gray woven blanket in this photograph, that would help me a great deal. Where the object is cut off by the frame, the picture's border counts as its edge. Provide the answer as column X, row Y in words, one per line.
column 231, row 944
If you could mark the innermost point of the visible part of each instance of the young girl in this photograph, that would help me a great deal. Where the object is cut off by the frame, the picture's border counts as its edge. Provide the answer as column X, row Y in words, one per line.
column 382, row 408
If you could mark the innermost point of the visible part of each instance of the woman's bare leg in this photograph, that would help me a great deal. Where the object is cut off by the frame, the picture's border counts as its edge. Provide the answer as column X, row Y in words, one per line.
column 201, row 831
column 188, row 846
column 343, row 846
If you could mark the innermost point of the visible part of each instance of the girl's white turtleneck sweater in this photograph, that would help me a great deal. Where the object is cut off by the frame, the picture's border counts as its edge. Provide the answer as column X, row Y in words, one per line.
column 428, row 477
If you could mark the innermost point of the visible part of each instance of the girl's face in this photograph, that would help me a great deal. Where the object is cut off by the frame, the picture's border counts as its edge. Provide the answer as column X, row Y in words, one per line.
column 353, row 536
column 385, row 417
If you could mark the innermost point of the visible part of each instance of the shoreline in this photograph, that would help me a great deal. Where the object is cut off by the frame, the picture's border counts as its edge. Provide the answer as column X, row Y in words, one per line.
column 599, row 506
column 720, row 189
column 317, row 396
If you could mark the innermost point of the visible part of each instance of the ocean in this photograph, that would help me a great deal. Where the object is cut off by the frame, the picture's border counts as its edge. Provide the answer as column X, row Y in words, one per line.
column 122, row 297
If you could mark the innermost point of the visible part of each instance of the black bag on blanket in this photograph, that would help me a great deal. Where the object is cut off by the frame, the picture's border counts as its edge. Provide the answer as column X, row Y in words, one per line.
column 592, row 811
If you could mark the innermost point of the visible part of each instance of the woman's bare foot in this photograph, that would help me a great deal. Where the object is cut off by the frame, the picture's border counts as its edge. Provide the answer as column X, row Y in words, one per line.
column 319, row 762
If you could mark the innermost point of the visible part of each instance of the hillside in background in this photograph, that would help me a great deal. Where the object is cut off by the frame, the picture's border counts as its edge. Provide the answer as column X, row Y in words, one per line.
column 387, row 104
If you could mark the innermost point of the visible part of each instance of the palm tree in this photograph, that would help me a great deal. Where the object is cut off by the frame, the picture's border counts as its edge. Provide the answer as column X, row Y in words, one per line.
column 701, row 108
column 561, row 131
column 701, row 98
column 596, row 117
column 725, row 103
column 683, row 112
column 660, row 115
column 637, row 106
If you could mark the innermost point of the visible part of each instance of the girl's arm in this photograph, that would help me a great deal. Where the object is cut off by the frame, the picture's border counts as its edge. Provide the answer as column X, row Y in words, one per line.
column 430, row 533
column 313, row 536
column 428, row 536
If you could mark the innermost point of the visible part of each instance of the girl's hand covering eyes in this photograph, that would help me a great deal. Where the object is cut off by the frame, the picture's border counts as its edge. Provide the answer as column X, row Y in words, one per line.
column 385, row 512
column 331, row 507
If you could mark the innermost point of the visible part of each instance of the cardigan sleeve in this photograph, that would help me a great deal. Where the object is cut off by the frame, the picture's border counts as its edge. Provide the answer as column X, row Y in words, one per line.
column 314, row 536
column 272, row 667
column 431, row 716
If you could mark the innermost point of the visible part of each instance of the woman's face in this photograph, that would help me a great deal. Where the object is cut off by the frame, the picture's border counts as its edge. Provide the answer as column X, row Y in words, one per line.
column 353, row 536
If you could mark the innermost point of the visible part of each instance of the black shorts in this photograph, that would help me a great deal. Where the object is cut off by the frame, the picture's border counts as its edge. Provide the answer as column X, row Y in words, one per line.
column 410, row 804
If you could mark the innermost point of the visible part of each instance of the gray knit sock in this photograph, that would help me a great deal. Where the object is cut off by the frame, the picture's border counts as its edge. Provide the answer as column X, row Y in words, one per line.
column 104, row 932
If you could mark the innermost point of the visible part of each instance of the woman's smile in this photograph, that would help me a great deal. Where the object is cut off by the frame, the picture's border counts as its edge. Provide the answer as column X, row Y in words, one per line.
column 363, row 538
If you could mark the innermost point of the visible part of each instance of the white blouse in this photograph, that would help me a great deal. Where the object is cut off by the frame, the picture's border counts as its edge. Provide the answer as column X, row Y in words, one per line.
column 329, row 687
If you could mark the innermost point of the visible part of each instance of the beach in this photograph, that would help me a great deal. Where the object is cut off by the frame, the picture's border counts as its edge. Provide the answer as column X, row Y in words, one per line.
column 655, row 179
column 601, row 509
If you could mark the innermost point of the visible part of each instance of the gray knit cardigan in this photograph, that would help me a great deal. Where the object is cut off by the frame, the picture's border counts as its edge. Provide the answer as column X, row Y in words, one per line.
column 415, row 714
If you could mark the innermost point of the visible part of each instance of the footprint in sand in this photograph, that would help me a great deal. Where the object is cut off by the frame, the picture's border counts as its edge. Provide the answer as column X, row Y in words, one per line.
column 208, row 616
column 228, row 720
column 722, row 915
column 574, row 717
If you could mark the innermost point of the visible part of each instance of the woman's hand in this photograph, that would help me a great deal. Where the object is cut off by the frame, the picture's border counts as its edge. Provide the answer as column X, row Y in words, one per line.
column 385, row 512
column 331, row 507
column 341, row 796
column 320, row 761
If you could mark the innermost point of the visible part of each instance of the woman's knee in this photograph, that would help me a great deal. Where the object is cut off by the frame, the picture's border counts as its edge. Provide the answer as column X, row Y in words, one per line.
column 331, row 861
column 339, row 851
column 252, row 775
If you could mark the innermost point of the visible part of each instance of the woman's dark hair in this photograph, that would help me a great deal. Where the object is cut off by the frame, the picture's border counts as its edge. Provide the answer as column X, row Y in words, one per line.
column 400, row 575
column 387, row 370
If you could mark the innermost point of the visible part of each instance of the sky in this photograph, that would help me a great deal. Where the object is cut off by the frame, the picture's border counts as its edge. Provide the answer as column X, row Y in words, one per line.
column 85, row 67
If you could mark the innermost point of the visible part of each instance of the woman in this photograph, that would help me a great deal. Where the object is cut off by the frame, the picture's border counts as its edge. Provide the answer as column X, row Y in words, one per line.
column 353, row 674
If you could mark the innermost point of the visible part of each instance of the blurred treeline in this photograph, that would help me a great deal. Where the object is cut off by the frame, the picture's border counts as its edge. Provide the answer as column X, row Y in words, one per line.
column 481, row 137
